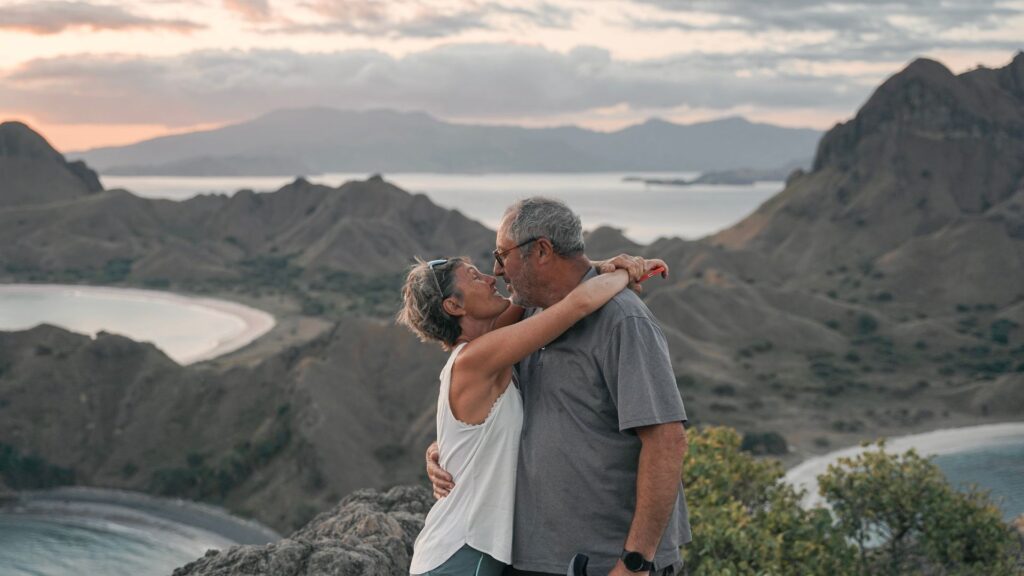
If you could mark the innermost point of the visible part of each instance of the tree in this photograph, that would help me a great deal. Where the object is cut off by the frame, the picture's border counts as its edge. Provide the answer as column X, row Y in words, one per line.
column 745, row 520
column 890, row 514
column 904, row 518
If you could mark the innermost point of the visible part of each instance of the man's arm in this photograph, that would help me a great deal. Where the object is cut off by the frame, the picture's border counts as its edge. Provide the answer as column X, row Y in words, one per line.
column 657, row 486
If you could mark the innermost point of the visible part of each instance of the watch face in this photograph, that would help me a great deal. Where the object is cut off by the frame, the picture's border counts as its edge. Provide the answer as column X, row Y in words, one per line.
column 634, row 561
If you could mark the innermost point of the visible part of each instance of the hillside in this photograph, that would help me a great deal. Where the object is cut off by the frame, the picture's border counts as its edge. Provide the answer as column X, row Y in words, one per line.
column 879, row 293
column 277, row 441
column 32, row 172
column 318, row 140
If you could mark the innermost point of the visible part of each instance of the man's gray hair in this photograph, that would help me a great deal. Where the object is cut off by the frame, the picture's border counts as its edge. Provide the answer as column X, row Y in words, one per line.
column 553, row 219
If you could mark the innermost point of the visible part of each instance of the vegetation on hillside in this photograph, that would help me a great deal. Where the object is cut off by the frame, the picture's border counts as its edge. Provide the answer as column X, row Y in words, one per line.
column 890, row 515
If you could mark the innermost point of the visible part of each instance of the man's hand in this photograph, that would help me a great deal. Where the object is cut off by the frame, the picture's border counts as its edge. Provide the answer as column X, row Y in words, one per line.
column 636, row 266
column 441, row 481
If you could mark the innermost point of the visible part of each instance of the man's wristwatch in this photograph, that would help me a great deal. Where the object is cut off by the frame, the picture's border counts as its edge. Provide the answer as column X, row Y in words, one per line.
column 635, row 562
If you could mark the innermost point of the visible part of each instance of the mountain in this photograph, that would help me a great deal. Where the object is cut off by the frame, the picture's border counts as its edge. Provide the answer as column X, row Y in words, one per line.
column 880, row 292
column 316, row 140
column 301, row 232
column 32, row 172
column 929, row 173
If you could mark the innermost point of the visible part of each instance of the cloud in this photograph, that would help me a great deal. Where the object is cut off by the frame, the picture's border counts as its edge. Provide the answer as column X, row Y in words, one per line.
column 252, row 10
column 452, row 81
column 53, row 17
column 422, row 18
column 839, row 15
column 873, row 30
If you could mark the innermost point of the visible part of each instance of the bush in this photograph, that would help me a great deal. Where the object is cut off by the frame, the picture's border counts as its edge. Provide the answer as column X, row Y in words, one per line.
column 760, row 443
column 904, row 518
column 745, row 520
column 890, row 515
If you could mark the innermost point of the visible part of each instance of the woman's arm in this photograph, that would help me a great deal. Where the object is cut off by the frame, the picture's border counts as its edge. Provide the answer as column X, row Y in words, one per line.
column 634, row 265
column 493, row 353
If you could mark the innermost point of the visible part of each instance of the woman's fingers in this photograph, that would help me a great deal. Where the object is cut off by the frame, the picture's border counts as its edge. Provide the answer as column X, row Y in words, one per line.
column 652, row 263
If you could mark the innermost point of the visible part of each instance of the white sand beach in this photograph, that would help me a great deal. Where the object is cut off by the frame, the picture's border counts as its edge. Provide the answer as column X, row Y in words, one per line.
column 188, row 329
column 946, row 441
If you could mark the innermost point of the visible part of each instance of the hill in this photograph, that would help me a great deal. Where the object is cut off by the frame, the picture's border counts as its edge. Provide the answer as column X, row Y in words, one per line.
column 316, row 140
column 879, row 293
column 32, row 172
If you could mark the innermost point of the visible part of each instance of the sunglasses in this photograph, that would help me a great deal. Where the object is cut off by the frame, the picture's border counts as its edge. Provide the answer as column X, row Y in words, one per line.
column 499, row 255
column 431, row 265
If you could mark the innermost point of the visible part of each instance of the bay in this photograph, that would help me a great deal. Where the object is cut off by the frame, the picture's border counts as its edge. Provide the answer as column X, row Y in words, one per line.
column 187, row 329
column 73, row 531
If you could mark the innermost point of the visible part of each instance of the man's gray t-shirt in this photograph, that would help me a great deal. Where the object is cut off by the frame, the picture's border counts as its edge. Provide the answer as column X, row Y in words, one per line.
column 576, row 479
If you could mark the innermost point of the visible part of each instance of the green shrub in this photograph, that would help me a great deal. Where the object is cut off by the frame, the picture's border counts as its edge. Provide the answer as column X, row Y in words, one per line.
column 905, row 518
column 890, row 514
column 745, row 520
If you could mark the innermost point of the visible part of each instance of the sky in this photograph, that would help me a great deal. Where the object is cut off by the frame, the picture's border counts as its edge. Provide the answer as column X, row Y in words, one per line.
column 97, row 72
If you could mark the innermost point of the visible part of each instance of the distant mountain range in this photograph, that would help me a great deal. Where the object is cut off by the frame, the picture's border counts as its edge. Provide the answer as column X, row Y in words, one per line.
column 881, row 293
column 318, row 140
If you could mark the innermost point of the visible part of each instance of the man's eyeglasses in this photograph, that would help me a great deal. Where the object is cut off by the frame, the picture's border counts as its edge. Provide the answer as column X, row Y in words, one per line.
column 431, row 265
column 499, row 255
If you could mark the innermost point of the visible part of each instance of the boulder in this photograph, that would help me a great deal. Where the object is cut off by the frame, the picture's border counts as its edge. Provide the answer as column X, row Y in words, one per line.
column 368, row 532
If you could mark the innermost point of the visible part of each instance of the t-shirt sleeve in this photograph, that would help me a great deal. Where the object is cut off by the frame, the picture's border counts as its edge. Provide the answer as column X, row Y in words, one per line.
column 638, row 372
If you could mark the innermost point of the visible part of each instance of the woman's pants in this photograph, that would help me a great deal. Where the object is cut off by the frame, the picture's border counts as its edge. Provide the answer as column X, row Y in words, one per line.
column 468, row 562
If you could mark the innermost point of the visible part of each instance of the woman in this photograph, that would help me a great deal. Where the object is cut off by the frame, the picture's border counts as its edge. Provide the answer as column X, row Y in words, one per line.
column 479, row 415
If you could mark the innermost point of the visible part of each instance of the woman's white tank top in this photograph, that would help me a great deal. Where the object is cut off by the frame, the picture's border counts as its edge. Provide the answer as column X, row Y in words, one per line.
column 482, row 459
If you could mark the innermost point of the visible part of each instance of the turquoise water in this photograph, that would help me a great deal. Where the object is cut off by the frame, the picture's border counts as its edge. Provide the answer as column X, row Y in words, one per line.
column 645, row 212
column 999, row 469
column 90, row 531
column 47, row 546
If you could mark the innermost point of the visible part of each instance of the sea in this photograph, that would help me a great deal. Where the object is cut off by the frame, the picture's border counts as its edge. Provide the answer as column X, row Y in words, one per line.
column 644, row 212
column 89, row 531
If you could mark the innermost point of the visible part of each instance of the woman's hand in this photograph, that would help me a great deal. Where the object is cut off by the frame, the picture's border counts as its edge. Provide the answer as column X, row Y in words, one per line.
column 636, row 266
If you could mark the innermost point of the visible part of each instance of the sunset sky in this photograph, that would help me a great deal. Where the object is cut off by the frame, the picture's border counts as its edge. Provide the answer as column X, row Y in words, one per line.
column 96, row 73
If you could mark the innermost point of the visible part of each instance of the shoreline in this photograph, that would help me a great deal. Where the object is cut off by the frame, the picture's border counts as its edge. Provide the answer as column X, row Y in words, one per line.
column 804, row 475
column 201, row 521
column 254, row 323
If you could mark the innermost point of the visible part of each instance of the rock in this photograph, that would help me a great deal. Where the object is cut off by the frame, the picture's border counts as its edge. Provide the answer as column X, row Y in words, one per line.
column 368, row 532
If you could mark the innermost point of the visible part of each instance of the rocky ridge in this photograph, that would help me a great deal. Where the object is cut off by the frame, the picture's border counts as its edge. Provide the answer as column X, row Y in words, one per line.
column 368, row 532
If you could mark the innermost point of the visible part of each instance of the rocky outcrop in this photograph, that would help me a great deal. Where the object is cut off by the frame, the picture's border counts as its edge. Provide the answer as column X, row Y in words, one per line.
column 369, row 532
column 33, row 172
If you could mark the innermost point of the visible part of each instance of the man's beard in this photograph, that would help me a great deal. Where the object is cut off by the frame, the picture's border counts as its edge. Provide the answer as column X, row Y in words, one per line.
column 524, row 292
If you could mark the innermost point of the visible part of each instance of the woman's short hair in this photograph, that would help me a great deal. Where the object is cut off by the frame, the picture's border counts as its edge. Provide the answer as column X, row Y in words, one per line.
column 423, row 305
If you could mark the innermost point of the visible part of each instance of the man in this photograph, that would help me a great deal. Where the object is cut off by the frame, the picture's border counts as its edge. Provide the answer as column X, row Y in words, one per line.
column 600, row 457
